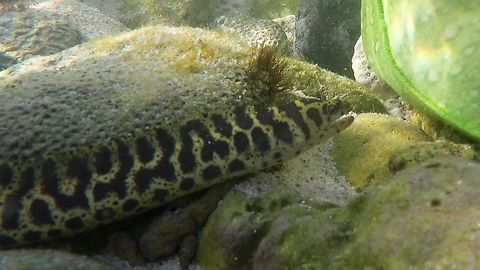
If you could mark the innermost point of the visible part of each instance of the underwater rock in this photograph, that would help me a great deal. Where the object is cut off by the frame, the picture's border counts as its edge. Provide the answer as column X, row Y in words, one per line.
column 422, row 218
column 200, row 13
column 89, row 20
column 365, row 75
column 122, row 246
column 362, row 152
column 412, row 154
column 325, row 33
column 235, row 229
column 25, row 33
column 311, row 80
column 168, row 232
column 267, row 9
column 428, row 52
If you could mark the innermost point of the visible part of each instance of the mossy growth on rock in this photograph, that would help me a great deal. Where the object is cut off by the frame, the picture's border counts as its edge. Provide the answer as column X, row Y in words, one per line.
column 424, row 218
column 412, row 154
column 268, row 72
column 237, row 228
column 314, row 81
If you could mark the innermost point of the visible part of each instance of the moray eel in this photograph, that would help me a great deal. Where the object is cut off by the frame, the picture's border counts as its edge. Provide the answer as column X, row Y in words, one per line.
column 66, row 193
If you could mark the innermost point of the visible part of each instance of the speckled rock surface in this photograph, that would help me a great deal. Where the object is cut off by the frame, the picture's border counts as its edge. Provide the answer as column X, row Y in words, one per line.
column 365, row 75
column 85, row 15
column 116, row 85
column 36, row 259
column 325, row 33
column 25, row 33
column 362, row 151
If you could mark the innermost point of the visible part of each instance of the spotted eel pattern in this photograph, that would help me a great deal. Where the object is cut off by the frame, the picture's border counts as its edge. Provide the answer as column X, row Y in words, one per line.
column 63, row 194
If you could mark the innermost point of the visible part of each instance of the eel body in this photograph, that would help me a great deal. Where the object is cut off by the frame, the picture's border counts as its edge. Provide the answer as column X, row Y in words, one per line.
column 66, row 193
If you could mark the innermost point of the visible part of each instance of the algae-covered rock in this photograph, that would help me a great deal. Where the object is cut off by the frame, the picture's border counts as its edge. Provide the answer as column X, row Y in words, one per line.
column 323, row 84
column 436, row 128
column 424, row 218
column 199, row 13
column 26, row 32
column 412, row 154
column 233, row 232
column 303, row 236
column 362, row 152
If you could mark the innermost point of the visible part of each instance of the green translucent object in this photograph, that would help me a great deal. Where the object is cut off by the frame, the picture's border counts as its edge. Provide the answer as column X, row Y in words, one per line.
column 429, row 52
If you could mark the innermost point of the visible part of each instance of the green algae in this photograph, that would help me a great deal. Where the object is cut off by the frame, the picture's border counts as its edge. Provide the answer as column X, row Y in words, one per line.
column 236, row 228
column 412, row 154
column 323, row 84
column 423, row 218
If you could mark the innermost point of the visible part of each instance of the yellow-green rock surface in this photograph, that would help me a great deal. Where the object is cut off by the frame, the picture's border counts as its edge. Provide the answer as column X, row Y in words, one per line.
column 423, row 218
column 362, row 152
